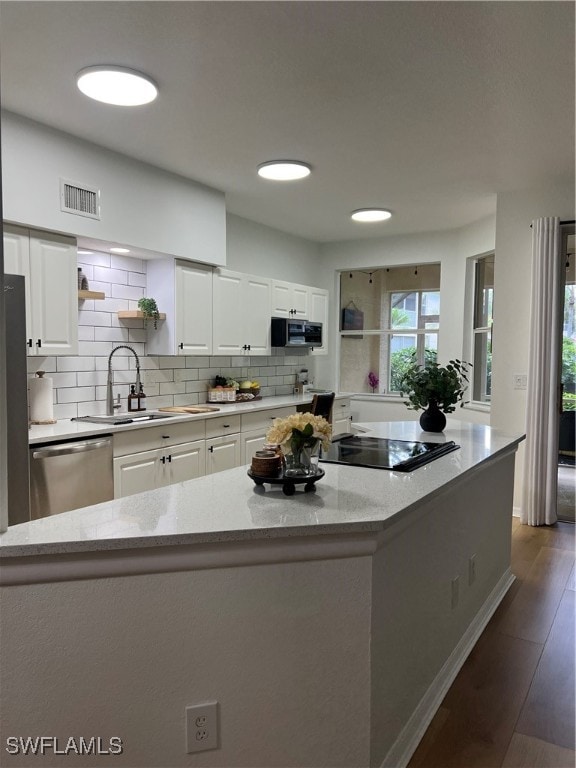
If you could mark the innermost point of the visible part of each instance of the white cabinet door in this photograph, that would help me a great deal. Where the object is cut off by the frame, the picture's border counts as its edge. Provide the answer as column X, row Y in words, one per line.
column 183, row 290
column 256, row 314
column 184, row 462
column 137, row 472
column 17, row 262
column 49, row 265
column 341, row 416
column 193, row 310
column 241, row 318
column 318, row 298
column 222, row 453
column 54, row 295
column 251, row 442
column 228, row 332
column 289, row 300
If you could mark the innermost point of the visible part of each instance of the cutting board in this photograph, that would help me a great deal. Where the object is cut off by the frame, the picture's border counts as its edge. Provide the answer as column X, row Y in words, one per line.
column 188, row 409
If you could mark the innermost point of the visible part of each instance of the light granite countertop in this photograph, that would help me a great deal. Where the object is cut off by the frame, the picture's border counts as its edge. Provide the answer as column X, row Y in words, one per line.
column 228, row 507
column 66, row 429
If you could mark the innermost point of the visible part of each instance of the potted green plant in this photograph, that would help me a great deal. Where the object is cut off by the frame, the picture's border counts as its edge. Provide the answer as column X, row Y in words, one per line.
column 435, row 388
column 150, row 310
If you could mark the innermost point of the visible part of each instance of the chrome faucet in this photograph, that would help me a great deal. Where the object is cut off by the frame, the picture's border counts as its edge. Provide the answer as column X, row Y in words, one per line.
column 109, row 394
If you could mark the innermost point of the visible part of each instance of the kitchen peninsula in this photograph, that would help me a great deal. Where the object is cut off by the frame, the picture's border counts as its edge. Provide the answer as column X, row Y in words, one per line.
column 327, row 625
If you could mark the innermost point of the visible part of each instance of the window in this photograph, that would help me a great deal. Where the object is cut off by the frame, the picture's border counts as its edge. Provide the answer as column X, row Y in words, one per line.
column 482, row 328
column 387, row 315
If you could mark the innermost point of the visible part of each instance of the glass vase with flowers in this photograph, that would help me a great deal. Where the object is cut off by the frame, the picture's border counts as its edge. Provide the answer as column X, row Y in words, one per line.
column 300, row 436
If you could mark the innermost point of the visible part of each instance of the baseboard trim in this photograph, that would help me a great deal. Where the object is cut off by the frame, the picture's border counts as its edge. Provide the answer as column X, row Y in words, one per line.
column 412, row 733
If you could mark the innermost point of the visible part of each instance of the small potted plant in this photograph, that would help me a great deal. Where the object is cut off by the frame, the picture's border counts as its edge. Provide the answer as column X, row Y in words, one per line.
column 150, row 310
column 436, row 389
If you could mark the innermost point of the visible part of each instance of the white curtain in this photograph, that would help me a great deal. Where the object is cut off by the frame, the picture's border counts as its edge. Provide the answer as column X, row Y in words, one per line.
column 541, row 454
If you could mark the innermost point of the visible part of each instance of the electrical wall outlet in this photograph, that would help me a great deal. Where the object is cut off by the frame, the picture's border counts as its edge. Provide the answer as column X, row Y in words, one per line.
column 471, row 570
column 454, row 591
column 520, row 380
column 202, row 727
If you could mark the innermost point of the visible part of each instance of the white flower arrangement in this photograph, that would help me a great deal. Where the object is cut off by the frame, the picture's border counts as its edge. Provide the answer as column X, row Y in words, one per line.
column 299, row 428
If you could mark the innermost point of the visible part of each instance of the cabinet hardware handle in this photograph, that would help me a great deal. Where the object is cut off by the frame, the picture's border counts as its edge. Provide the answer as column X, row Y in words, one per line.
column 29, row 342
column 163, row 459
column 226, row 426
column 165, row 437
column 181, row 345
column 39, row 343
column 211, row 449
column 249, row 347
column 170, row 458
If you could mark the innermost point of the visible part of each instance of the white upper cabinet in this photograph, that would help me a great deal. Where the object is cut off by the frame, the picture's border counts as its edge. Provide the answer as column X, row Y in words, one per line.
column 183, row 290
column 241, row 314
column 318, row 303
column 290, row 300
column 48, row 263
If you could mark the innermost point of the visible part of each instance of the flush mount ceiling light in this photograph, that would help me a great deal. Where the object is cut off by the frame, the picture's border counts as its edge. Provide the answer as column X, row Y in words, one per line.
column 119, row 250
column 370, row 214
column 284, row 170
column 116, row 85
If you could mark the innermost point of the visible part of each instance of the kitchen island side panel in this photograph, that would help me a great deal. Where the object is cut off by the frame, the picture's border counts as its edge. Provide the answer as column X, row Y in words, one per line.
column 283, row 648
column 417, row 623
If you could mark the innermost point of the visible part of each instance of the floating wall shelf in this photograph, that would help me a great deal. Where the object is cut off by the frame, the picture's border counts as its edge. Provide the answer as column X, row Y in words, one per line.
column 136, row 314
column 91, row 295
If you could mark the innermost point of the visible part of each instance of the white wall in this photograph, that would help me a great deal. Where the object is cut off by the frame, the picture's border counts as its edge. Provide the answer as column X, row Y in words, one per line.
column 259, row 250
column 512, row 279
column 142, row 206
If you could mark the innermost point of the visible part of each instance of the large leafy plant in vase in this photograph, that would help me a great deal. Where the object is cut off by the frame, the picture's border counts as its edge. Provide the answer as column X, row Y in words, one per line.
column 435, row 388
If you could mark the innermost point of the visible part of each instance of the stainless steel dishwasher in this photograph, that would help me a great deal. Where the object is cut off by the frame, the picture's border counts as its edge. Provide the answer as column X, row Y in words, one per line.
column 65, row 476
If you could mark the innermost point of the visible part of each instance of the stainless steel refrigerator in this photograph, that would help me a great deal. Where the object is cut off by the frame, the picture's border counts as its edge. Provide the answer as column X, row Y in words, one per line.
column 17, row 400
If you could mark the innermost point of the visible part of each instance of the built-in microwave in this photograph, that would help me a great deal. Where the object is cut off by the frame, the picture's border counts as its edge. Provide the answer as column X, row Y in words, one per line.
column 295, row 333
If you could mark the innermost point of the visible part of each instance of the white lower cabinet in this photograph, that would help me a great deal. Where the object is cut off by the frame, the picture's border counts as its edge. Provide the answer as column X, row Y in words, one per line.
column 251, row 442
column 222, row 453
column 145, row 459
column 148, row 470
column 341, row 416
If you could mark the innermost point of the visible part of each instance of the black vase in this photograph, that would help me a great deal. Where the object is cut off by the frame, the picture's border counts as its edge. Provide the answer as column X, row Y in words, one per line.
column 432, row 419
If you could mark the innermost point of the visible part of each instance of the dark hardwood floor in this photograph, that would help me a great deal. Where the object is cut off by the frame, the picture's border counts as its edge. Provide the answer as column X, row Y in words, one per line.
column 512, row 703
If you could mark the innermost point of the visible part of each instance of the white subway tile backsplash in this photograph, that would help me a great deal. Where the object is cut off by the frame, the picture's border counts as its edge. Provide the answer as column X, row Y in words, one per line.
column 76, row 363
column 137, row 278
column 64, row 379
column 88, row 317
column 172, row 362
column 91, row 378
column 86, row 333
column 173, row 388
column 127, row 292
column 100, row 259
column 66, row 411
column 94, row 348
column 47, row 364
column 185, row 374
column 107, row 275
column 75, row 394
column 118, row 335
column 113, row 305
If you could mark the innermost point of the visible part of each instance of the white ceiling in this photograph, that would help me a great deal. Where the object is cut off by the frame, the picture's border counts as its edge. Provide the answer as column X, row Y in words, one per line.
column 426, row 108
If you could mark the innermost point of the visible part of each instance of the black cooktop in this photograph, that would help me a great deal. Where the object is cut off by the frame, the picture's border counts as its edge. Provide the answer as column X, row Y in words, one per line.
column 385, row 453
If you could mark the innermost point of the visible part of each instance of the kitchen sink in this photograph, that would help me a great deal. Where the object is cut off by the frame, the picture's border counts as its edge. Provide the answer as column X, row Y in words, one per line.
column 129, row 417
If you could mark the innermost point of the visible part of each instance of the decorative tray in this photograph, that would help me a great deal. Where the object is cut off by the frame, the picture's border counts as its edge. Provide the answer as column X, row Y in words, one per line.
column 288, row 482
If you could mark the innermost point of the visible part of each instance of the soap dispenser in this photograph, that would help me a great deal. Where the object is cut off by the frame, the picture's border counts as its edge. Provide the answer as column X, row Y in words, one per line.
column 141, row 399
column 133, row 399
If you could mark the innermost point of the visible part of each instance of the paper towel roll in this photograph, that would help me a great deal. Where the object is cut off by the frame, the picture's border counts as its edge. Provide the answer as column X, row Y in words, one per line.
column 41, row 400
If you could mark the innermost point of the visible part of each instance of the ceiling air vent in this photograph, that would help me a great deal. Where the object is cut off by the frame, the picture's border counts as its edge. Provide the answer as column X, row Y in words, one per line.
column 80, row 200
